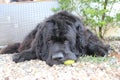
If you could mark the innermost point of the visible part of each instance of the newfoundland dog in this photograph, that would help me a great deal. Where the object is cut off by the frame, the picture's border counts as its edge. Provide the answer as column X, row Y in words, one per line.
column 60, row 37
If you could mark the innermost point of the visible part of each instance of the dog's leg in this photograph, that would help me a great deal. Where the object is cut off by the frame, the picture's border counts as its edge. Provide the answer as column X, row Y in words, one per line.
column 95, row 45
column 24, row 55
column 10, row 49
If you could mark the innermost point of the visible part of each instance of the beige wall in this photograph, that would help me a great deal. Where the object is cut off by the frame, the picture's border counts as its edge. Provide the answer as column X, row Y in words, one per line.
column 4, row 1
column 1, row 1
column 8, row 1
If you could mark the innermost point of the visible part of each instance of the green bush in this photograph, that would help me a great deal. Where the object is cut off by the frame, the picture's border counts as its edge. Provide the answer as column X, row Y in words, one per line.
column 94, row 13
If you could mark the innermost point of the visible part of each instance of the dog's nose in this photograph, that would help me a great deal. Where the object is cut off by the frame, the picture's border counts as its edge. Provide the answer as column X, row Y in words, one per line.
column 58, row 56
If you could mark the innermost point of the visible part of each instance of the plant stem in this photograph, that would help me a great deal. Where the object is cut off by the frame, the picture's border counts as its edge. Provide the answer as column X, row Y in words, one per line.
column 103, row 18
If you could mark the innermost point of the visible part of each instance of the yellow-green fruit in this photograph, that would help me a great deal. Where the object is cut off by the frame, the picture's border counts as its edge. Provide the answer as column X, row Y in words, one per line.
column 69, row 62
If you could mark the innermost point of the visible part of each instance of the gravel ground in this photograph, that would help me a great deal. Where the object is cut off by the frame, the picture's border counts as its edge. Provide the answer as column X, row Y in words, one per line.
column 39, row 70
column 115, row 45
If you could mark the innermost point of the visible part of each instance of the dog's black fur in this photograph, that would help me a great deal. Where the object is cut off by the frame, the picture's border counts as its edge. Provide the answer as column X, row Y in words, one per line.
column 60, row 37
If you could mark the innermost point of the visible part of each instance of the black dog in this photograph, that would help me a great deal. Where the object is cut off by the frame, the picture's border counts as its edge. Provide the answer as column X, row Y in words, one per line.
column 60, row 37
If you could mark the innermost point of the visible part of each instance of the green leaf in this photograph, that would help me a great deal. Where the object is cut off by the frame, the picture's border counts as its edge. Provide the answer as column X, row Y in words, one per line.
column 101, row 23
column 55, row 9
column 109, row 19
column 118, row 16
column 103, row 11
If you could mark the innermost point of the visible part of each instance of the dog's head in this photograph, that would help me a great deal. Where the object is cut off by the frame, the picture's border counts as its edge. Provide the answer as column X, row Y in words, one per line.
column 58, row 38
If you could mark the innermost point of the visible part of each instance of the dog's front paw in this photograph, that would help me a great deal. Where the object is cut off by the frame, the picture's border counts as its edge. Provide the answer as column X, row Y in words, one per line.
column 18, row 58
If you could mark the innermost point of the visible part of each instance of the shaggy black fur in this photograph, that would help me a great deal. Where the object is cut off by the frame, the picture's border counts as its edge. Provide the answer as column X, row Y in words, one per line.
column 60, row 37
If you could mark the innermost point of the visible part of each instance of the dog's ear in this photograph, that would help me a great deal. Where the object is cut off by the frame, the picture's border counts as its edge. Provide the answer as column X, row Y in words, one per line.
column 38, row 41
column 81, row 34
column 81, row 38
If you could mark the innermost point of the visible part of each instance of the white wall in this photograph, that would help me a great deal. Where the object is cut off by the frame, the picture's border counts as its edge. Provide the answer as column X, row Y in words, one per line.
column 17, row 20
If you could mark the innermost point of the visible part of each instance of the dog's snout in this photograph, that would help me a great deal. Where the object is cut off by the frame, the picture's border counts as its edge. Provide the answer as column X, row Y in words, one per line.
column 58, row 56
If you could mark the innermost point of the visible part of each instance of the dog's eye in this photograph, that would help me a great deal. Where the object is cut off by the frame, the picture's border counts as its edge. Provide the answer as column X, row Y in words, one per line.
column 64, row 38
column 49, row 40
column 66, row 42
